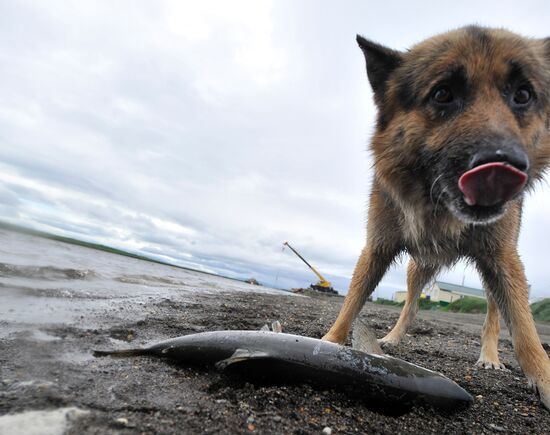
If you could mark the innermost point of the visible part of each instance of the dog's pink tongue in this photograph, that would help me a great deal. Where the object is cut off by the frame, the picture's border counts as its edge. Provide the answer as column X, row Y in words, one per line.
column 491, row 183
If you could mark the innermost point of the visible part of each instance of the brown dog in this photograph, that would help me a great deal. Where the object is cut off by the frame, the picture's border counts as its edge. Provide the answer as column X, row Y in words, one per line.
column 462, row 132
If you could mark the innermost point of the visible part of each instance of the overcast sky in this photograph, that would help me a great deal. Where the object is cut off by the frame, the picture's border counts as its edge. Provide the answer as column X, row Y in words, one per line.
column 206, row 133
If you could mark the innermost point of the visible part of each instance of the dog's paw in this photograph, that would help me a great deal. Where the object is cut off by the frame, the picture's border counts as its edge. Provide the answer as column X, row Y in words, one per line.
column 490, row 365
column 542, row 390
column 387, row 344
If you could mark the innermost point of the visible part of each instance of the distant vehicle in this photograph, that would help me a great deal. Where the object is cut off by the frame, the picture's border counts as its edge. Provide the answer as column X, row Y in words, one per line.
column 323, row 285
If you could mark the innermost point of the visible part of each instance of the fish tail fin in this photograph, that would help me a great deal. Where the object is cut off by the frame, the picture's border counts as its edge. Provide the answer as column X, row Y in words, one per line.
column 120, row 353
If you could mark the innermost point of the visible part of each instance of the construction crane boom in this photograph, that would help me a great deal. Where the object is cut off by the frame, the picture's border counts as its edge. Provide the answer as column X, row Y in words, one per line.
column 323, row 284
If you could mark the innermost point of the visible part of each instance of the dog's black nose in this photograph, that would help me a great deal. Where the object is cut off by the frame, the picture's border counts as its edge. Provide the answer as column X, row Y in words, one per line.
column 511, row 153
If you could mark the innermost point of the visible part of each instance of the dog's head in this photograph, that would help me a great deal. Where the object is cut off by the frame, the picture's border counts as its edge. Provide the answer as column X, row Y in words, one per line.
column 463, row 119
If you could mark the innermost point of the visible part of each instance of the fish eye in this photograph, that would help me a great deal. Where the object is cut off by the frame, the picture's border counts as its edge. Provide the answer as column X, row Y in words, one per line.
column 443, row 95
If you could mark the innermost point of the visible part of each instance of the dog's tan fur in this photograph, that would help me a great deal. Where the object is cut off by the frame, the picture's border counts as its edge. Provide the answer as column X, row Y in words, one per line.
column 415, row 209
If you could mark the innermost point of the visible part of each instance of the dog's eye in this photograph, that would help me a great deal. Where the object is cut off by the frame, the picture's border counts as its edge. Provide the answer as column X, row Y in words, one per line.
column 522, row 96
column 442, row 95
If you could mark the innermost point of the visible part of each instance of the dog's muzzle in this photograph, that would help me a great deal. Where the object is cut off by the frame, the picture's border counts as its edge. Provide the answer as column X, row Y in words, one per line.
column 495, row 176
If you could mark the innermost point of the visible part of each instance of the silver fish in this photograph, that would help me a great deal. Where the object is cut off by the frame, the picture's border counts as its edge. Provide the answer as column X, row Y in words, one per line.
column 379, row 378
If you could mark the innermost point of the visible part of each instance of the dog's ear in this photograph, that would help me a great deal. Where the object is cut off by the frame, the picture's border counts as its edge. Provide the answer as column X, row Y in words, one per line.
column 381, row 61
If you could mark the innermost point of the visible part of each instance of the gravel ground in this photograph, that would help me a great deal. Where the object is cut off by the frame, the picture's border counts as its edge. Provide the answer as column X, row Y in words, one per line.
column 52, row 367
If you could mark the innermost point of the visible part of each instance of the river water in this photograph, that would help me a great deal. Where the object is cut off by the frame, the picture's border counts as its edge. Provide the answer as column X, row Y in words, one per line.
column 44, row 281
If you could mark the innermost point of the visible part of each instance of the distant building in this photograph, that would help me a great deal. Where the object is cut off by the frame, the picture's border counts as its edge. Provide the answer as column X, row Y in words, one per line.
column 444, row 293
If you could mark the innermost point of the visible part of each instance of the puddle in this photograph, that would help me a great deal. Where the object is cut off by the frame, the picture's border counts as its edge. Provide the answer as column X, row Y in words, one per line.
column 51, row 422
column 77, row 357
column 38, row 335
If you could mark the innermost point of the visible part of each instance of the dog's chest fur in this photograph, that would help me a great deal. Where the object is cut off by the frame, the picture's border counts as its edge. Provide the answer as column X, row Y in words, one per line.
column 432, row 239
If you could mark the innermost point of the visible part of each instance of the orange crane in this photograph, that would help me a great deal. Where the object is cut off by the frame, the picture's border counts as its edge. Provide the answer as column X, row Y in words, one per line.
column 323, row 285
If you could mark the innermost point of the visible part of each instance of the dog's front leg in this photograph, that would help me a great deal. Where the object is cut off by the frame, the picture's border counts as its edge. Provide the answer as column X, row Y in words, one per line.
column 488, row 357
column 418, row 275
column 504, row 278
column 370, row 269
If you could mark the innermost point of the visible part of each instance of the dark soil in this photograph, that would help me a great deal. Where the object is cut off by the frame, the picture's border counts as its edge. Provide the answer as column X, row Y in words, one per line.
column 150, row 395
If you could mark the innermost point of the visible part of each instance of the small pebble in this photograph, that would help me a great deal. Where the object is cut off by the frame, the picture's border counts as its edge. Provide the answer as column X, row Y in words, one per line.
column 122, row 421
column 327, row 431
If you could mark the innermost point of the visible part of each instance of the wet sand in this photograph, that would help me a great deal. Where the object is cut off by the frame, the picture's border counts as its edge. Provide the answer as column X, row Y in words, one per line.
column 48, row 366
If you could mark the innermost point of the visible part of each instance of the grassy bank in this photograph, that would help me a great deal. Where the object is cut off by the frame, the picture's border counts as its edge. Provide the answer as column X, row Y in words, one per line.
column 383, row 301
column 425, row 304
column 467, row 305
column 540, row 309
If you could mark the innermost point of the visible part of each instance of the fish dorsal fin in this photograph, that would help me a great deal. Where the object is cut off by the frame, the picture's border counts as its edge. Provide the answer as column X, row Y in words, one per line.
column 363, row 339
column 276, row 326
column 241, row 355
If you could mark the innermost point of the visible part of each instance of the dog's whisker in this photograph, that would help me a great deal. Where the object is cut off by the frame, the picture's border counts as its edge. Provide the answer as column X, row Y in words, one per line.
column 432, row 188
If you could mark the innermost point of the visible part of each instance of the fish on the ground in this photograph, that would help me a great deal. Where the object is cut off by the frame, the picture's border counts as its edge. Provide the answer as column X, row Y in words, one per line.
column 378, row 378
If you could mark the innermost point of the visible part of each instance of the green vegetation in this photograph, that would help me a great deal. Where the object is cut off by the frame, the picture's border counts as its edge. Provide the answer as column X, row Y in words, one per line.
column 426, row 304
column 464, row 305
column 467, row 305
column 382, row 301
column 541, row 310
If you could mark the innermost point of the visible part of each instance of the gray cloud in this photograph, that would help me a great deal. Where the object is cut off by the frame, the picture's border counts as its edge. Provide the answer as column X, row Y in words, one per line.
column 211, row 132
